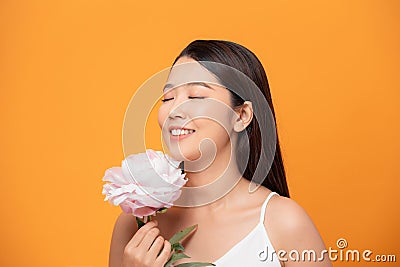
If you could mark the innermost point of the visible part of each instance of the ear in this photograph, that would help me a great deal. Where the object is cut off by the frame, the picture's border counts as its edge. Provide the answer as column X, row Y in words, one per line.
column 245, row 115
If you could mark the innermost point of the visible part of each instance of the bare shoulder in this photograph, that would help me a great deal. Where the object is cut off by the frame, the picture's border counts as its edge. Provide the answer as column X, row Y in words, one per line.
column 124, row 228
column 289, row 227
column 287, row 215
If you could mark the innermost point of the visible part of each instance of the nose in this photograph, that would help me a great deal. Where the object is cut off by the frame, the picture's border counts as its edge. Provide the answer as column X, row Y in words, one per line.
column 177, row 111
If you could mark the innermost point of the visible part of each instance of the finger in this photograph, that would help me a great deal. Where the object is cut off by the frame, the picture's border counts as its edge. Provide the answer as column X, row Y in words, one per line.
column 165, row 254
column 141, row 233
column 149, row 238
column 156, row 247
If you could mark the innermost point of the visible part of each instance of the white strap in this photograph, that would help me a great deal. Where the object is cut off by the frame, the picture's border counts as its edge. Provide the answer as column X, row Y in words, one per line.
column 265, row 205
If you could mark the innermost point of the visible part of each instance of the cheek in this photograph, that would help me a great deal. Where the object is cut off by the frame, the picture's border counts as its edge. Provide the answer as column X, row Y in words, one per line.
column 215, row 131
column 161, row 117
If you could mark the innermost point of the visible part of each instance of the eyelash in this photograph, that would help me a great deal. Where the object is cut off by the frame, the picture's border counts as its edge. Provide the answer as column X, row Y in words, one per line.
column 190, row 97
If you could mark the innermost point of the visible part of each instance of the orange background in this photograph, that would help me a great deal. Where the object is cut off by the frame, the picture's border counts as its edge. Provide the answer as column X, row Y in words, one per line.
column 68, row 70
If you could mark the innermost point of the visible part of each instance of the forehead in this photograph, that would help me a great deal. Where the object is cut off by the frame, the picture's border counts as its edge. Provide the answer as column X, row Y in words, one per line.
column 189, row 71
column 184, row 59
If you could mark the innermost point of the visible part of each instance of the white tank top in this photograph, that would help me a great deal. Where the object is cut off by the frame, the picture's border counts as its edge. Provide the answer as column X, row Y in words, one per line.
column 253, row 250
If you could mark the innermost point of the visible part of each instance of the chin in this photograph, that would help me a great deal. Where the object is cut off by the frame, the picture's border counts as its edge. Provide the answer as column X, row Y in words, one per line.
column 182, row 154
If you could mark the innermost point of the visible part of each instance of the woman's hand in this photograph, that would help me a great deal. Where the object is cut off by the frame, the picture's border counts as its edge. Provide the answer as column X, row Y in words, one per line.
column 143, row 249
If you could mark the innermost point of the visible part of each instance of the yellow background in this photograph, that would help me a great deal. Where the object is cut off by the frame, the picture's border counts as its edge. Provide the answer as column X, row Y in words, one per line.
column 68, row 70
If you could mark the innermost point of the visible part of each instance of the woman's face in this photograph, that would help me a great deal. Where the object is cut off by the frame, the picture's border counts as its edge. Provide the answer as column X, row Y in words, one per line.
column 201, row 109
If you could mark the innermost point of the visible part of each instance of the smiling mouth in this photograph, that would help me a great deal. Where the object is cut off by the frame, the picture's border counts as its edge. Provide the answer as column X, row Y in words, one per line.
column 178, row 132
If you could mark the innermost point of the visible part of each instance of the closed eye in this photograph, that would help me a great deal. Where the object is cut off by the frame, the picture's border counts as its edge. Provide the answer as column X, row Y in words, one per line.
column 190, row 97
column 167, row 99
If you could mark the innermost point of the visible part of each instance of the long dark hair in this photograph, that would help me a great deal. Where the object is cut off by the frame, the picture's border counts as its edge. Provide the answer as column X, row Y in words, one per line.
column 245, row 61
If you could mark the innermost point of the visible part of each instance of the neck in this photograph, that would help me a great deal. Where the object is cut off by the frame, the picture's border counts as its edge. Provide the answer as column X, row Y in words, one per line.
column 214, row 185
column 202, row 175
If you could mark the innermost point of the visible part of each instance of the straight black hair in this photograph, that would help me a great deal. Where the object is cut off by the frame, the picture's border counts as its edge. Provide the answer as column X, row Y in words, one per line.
column 245, row 61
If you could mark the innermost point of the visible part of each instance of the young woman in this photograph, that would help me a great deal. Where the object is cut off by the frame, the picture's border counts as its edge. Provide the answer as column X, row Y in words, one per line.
column 262, row 228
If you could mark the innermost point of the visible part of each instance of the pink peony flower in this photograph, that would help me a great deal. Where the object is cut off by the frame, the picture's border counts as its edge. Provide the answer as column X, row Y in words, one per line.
column 146, row 183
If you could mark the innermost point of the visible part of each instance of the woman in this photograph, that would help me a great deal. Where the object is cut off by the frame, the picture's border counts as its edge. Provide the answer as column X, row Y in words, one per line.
column 261, row 228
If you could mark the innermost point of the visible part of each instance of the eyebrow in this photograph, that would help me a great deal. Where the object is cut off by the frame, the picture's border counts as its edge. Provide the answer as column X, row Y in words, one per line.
column 169, row 85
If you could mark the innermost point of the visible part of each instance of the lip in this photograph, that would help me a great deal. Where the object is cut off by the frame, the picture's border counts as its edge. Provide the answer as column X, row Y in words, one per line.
column 179, row 137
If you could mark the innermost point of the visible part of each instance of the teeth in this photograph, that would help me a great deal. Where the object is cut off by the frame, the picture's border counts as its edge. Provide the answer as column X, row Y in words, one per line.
column 177, row 132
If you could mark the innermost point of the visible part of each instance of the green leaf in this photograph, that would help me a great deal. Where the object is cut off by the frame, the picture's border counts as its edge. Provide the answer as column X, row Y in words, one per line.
column 140, row 223
column 195, row 264
column 177, row 247
column 181, row 234
column 162, row 210
column 175, row 257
